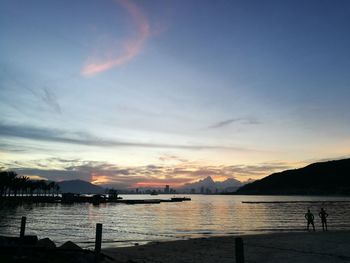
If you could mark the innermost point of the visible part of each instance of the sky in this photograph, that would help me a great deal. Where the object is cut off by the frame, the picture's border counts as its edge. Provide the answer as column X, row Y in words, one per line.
column 135, row 93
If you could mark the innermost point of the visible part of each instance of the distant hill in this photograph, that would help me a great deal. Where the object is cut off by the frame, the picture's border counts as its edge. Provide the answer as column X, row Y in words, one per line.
column 80, row 186
column 208, row 185
column 323, row 178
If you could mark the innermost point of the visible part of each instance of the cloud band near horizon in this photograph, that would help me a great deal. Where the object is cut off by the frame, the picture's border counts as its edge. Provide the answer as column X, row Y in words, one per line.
column 85, row 139
column 103, row 173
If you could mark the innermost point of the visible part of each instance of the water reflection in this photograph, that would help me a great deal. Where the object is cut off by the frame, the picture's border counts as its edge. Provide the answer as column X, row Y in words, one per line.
column 203, row 216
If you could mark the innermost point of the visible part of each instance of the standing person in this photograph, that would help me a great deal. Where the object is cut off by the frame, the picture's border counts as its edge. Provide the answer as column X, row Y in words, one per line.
column 310, row 219
column 323, row 215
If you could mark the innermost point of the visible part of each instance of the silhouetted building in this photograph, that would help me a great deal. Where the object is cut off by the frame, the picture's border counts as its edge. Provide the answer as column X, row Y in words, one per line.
column 193, row 191
column 167, row 189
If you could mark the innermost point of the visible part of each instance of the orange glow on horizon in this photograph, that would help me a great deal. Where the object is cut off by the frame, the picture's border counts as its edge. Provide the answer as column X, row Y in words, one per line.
column 99, row 179
column 220, row 178
column 36, row 177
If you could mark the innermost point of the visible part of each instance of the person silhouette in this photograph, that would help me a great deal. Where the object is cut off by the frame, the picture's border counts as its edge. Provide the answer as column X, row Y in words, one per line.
column 310, row 219
column 323, row 215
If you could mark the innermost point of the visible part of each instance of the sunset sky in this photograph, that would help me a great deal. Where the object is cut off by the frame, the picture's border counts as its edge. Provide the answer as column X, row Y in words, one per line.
column 145, row 93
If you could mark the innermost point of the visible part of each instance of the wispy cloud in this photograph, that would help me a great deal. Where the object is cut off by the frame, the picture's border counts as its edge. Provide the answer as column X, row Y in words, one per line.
column 81, row 138
column 131, row 47
column 11, row 77
column 49, row 97
column 171, row 158
column 223, row 123
column 227, row 122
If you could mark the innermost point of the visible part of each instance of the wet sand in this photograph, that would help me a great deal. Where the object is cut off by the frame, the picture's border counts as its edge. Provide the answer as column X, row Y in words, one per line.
column 317, row 247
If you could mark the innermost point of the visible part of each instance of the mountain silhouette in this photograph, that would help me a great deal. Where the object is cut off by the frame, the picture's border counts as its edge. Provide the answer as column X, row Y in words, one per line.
column 229, row 185
column 322, row 178
column 80, row 186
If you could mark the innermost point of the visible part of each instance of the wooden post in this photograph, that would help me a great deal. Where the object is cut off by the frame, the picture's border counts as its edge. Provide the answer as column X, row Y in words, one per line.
column 98, row 242
column 23, row 226
column 239, row 250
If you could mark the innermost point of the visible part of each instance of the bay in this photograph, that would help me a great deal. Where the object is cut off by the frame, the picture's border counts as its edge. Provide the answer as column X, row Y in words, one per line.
column 205, row 215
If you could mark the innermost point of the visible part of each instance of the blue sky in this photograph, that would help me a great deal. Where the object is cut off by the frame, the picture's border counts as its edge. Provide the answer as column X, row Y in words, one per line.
column 192, row 86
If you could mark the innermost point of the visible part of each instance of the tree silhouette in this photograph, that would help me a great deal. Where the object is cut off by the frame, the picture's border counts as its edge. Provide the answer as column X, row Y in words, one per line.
column 7, row 183
column 11, row 185
column 57, row 188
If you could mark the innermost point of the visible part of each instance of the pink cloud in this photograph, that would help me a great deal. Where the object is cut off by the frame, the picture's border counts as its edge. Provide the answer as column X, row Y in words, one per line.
column 131, row 47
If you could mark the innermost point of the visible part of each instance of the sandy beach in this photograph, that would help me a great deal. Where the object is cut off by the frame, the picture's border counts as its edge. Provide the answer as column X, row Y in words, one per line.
column 317, row 247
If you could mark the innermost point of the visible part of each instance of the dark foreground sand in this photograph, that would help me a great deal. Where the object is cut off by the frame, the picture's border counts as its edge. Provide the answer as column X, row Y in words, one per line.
column 317, row 247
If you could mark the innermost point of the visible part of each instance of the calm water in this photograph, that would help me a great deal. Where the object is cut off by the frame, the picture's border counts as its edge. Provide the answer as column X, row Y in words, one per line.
column 203, row 216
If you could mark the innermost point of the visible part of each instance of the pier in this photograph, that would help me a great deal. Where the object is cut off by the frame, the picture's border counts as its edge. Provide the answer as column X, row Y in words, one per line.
column 70, row 198
column 97, row 199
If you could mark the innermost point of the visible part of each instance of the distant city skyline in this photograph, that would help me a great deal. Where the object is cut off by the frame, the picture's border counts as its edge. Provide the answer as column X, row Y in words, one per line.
column 154, row 93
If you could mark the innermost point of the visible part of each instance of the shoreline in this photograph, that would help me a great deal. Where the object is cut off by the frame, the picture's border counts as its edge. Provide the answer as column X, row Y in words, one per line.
column 321, row 247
